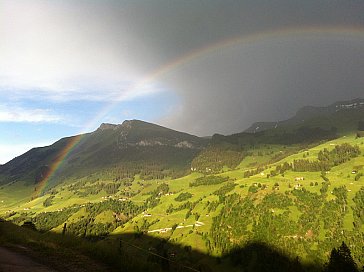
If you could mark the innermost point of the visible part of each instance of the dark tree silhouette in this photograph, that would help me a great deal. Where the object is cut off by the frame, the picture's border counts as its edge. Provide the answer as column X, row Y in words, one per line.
column 259, row 257
column 361, row 125
column 341, row 260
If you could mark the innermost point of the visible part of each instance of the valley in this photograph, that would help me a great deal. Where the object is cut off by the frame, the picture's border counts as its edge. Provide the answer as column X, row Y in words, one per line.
column 138, row 189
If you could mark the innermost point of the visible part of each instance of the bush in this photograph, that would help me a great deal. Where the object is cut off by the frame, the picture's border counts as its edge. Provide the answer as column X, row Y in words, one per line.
column 208, row 180
column 183, row 196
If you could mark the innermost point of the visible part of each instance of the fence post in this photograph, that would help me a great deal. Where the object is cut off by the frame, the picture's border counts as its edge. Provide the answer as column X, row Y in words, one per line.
column 64, row 229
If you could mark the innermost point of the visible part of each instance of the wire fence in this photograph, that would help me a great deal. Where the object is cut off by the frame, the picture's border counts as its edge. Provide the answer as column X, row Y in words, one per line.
column 157, row 255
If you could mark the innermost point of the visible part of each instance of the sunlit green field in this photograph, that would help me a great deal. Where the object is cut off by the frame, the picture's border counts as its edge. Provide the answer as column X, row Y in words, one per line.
column 192, row 226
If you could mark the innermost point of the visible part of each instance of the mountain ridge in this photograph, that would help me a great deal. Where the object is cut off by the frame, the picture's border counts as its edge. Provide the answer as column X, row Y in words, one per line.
column 147, row 145
column 304, row 114
column 134, row 141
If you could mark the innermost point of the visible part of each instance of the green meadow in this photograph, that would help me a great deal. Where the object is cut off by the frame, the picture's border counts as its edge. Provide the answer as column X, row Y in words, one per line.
column 304, row 213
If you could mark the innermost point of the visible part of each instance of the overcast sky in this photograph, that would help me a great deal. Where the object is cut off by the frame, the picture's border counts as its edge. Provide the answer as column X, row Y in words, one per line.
column 202, row 67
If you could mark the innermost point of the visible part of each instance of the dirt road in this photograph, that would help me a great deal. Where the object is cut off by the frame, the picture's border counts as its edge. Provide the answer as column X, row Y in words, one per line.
column 197, row 224
column 11, row 261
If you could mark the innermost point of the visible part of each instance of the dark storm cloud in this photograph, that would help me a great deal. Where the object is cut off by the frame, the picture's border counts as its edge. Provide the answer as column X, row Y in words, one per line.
column 267, row 81
column 222, row 91
column 228, row 89
column 163, row 30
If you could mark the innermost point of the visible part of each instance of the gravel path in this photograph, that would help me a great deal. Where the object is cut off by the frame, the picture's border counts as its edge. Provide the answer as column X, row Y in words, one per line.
column 11, row 261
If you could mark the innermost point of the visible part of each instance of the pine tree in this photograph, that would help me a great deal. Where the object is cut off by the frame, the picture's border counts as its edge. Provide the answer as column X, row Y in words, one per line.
column 345, row 254
column 341, row 260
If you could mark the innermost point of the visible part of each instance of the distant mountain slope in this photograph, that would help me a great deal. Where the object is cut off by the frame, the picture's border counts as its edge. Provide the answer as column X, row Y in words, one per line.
column 343, row 115
column 137, row 144
column 134, row 146
column 29, row 166
column 309, row 125
column 153, row 151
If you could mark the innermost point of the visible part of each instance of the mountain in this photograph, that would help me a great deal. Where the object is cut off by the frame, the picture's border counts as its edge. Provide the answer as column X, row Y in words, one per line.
column 310, row 125
column 29, row 166
column 137, row 147
column 131, row 146
column 343, row 115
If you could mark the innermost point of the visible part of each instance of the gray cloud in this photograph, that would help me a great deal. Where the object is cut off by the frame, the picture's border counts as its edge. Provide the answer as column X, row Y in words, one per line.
column 266, row 81
column 118, row 42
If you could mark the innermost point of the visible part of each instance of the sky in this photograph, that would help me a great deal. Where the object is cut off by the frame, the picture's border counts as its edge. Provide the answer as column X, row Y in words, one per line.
column 200, row 66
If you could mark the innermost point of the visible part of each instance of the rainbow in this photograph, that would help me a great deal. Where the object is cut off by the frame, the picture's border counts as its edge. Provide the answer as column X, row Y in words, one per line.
column 312, row 31
column 307, row 31
column 56, row 164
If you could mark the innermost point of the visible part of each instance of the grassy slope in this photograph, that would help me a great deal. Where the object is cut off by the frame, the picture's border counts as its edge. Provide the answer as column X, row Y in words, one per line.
column 14, row 196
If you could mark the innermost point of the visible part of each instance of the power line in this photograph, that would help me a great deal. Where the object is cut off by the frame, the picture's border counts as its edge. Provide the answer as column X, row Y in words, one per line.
column 160, row 256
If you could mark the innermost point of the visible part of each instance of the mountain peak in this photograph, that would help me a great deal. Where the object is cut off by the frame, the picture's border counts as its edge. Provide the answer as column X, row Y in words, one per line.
column 134, row 122
column 105, row 126
column 124, row 124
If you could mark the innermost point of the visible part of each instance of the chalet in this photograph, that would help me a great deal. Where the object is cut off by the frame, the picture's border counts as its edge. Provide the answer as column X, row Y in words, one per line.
column 297, row 186
column 299, row 178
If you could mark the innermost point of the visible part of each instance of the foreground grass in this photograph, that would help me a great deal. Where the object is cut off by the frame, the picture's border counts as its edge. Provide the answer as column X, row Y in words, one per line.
column 65, row 253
